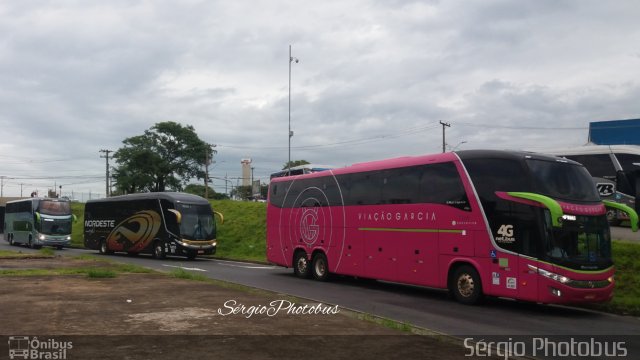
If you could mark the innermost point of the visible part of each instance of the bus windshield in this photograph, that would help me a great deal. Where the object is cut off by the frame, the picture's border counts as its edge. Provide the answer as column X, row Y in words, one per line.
column 583, row 242
column 50, row 207
column 197, row 222
column 562, row 180
column 55, row 227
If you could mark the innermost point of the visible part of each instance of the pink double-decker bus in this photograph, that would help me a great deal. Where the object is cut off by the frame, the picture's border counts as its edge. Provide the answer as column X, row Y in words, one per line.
column 508, row 224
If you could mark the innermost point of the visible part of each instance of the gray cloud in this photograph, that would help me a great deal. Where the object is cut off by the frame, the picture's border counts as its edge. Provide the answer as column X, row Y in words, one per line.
column 374, row 78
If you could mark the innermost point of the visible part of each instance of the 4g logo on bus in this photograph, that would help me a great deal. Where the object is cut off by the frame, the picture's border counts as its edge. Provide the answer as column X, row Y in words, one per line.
column 506, row 234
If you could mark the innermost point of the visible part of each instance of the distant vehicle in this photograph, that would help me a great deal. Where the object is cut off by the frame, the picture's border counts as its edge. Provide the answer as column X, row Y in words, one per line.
column 38, row 222
column 2, row 209
column 616, row 172
column 301, row 169
column 507, row 224
column 157, row 223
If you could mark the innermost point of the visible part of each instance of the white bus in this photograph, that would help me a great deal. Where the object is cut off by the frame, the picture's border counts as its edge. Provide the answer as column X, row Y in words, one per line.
column 38, row 222
column 615, row 169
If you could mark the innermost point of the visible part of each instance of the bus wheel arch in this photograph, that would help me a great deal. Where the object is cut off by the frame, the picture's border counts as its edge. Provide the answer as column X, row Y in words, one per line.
column 301, row 264
column 465, row 284
column 320, row 266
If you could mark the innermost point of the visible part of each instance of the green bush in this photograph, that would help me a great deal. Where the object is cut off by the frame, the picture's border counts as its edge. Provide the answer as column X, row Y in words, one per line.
column 243, row 234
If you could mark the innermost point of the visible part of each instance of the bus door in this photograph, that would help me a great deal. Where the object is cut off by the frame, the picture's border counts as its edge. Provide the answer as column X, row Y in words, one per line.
column 510, row 272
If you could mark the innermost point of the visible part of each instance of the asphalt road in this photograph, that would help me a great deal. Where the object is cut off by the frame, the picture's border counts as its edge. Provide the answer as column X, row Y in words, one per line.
column 426, row 308
column 624, row 233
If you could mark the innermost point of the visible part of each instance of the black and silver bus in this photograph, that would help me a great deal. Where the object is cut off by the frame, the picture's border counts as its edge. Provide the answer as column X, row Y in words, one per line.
column 161, row 224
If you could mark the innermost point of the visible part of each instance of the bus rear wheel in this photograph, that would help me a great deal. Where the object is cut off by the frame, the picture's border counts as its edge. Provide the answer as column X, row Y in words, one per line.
column 158, row 250
column 466, row 285
column 320, row 267
column 301, row 266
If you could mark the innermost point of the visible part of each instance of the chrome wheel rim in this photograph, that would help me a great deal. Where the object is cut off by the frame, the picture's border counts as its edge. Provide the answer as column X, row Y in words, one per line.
column 320, row 268
column 465, row 285
column 302, row 265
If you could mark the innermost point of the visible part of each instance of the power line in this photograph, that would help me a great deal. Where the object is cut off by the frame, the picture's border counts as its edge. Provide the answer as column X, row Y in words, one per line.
column 404, row 132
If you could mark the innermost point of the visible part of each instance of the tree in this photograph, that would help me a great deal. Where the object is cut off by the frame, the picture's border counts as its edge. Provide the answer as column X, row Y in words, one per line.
column 241, row 192
column 197, row 189
column 165, row 157
column 294, row 163
column 245, row 192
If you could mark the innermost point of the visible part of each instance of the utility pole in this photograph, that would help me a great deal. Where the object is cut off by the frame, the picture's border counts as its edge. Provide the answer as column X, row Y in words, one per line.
column 107, row 176
column 291, row 59
column 444, row 144
column 208, row 161
column 2, row 186
column 252, row 180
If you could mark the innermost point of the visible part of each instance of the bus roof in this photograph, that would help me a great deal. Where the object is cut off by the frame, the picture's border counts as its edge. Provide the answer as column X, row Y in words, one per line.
column 171, row 196
column 301, row 169
column 594, row 150
column 428, row 159
column 31, row 199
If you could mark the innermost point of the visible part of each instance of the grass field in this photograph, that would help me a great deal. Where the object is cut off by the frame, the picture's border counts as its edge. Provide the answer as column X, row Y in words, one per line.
column 242, row 236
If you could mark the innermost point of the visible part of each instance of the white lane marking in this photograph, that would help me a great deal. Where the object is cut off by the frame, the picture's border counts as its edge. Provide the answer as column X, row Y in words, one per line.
column 184, row 268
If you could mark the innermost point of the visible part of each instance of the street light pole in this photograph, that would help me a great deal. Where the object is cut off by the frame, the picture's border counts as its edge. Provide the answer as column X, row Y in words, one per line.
column 291, row 59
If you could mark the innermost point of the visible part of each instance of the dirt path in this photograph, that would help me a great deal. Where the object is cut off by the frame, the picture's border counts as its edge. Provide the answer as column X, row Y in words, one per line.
column 156, row 316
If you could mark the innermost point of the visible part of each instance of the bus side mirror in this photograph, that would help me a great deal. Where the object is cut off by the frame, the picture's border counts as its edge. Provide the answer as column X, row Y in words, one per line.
column 221, row 216
column 74, row 217
column 536, row 199
column 177, row 214
column 633, row 216
column 37, row 216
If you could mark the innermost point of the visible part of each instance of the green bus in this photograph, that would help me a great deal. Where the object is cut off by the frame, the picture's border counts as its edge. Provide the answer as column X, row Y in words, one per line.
column 38, row 222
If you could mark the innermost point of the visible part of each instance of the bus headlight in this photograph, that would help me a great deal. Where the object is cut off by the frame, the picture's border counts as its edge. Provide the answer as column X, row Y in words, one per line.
column 68, row 237
column 41, row 237
column 550, row 275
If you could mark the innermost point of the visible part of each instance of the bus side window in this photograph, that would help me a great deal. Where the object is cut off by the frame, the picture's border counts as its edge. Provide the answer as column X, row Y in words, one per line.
column 171, row 219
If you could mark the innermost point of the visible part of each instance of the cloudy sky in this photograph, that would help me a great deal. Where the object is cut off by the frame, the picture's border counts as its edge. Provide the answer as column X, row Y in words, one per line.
column 374, row 79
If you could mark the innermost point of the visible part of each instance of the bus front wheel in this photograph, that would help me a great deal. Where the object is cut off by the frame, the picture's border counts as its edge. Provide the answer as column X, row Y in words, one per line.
column 158, row 250
column 320, row 267
column 104, row 247
column 466, row 285
column 301, row 266
column 31, row 245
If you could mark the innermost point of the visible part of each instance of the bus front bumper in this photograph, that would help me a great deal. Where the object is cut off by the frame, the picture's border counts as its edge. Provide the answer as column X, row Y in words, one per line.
column 562, row 294
column 200, row 247
column 50, row 240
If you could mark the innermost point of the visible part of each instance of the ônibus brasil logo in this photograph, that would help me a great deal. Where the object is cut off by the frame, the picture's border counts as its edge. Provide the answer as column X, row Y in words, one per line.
column 26, row 347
